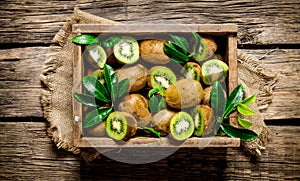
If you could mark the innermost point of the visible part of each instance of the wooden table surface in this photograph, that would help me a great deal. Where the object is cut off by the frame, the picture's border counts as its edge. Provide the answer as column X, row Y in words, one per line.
column 268, row 30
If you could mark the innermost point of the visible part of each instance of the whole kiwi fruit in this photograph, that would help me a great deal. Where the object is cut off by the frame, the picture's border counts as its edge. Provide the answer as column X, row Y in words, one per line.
column 137, row 75
column 97, row 130
column 161, row 121
column 184, row 93
column 152, row 51
column 137, row 105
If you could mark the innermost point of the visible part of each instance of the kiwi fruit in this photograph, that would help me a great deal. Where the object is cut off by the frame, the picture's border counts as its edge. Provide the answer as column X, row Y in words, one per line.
column 97, row 130
column 184, row 93
column 204, row 120
column 137, row 75
column 191, row 70
column 206, row 49
column 127, row 51
column 96, row 55
column 213, row 70
column 161, row 121
column 120, row 125
column 152, row 51
column 181, row 126
column 137, row 105
column 206, row 96
column 161, row 77
column 99, row 75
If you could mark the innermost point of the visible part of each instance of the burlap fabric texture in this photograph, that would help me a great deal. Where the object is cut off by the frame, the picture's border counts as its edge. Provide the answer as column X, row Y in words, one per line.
column 57, row 98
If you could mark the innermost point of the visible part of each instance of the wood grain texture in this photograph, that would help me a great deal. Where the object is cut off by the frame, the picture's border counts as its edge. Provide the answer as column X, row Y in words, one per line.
column 260, row 22
column 20, row 86
column 28, row 154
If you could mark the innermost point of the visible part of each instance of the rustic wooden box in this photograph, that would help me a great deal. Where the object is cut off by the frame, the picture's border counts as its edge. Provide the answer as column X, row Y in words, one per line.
column 228, row 32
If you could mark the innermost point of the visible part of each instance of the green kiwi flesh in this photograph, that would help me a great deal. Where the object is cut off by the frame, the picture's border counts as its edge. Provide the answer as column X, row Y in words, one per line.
column 120, row 125
column 161, row 77
column 191, row 70
column 201, row 53
column 213, row 70
column 96, row 55
column 198, row 120
column 127, row 50
column 181, row 126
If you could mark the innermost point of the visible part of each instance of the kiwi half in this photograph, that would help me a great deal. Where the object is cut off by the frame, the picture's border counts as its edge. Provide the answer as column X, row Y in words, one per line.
column 96, row 55
column 206, row 49
column 198, row 120
column 161, row 77
column 213, row 70
column 181, row 126
column 120, row 125
column 191, row 70
column 127, row 51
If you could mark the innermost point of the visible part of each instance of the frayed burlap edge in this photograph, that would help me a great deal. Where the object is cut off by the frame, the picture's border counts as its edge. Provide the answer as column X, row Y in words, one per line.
column 256, row 80
column 65, row 139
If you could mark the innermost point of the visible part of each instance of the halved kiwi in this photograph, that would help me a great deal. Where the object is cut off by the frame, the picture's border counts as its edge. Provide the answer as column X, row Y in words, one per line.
column 213, row 70
column 197, row 115
column 127, row 51
column 181, row 126
column 120, row 125
column 206, row 49
column 161, row 77
column 191, row 70
column 96, row 55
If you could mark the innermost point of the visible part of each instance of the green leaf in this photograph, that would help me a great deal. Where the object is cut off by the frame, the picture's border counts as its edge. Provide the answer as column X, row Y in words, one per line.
column 111, row 41
column 175, row 55
column 162, row 104
column 243, row 134
column 234, row 98
column 123, row 86
column 249, row 100
column 96, row 116
column 181, row 42
column 85, row 39
column 244, row 122
column 157, row 133
column 197, row 42
column 86, row 99
column 217, row 99
column 95, row 88
column 153, row 104
column 111, row 80
column 153, row 91
column 244, row 110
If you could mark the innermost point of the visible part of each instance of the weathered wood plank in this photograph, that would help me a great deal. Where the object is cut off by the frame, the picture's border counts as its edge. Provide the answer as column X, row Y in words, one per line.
column 20, row 70
column 260, row 22
column 27, row 153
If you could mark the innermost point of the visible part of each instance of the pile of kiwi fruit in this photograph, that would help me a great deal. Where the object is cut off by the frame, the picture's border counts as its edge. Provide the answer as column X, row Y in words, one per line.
column 186, row 88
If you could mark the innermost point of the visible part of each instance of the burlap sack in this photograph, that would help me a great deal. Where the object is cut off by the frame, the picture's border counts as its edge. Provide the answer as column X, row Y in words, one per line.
column 57, row 98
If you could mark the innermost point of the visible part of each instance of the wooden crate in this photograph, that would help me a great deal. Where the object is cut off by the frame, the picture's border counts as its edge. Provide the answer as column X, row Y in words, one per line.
column 226, row 32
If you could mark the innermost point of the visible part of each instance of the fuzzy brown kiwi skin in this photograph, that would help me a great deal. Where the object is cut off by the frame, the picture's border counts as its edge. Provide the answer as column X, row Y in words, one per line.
column 161, row 121
column 152, row 51
column 211, row 46
column 137, row 105
column 137, row 75
column 97, row 130
column 206, row 96
column 184, row 93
